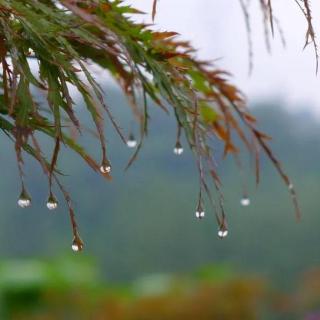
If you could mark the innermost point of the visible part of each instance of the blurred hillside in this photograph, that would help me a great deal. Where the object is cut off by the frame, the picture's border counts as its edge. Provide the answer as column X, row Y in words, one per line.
column 69, row 289
column 143, row 222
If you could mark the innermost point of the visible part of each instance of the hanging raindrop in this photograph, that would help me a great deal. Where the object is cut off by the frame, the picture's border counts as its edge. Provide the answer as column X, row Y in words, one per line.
column 222, row 232
column 200, row 214
column 105, row 167
column 245, row 201
column 131, row 142
column 75, row 247
column 52, row 202
column 178, row 150
column 24, row 200
column 77, row 244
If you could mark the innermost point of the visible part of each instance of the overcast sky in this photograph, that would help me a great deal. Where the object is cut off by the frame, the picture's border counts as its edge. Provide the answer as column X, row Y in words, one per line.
column 217, row 29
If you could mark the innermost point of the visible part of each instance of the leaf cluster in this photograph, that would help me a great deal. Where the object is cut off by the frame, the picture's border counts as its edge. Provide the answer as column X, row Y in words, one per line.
column 64, row 37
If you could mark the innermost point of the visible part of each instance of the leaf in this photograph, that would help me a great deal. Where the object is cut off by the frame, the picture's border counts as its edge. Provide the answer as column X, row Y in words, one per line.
column 154, row 9
column 208, row 114
column 163, row 35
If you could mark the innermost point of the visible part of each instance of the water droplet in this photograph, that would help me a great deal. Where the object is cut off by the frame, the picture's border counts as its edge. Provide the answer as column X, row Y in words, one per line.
column 199, row 211
column 75, row 247
column 290, row 186
column 24, row 200
column 105, row 167
column 222, row 233
column 52, row 205
column 77, row 244
column 178, row 150
column 200, row 214
column 245, row 201
column 52, row 202
column 24, row 203
column 131, row 142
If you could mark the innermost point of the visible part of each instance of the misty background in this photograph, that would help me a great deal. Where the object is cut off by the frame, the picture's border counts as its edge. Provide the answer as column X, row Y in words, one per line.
column 217, row 29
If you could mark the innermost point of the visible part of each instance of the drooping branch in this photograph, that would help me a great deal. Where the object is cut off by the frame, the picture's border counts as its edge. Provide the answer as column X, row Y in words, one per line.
column 62, row 36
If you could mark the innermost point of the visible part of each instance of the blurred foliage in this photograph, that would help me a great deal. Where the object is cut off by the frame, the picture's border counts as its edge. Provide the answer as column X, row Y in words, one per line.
column 48, row 290
column 72, row 289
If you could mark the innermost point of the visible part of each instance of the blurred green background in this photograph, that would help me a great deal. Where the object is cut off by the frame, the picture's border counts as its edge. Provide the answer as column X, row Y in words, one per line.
column 146, row 256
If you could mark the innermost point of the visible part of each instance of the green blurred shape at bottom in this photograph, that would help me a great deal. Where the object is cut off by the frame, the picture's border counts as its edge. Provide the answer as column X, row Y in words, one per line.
column 71, row 288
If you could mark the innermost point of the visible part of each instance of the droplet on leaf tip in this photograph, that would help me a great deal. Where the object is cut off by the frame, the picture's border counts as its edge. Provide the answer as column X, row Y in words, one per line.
column 24, row 200
column 245, row 201
column 200, row 214
column 105, row 167
column 131, row 142
column 52, row 202
column 77, row 245
column 178, row 150
column 24, row 203
column 222, row 233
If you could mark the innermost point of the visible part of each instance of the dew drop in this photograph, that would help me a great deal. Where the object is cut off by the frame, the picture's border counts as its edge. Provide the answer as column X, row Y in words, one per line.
column 24, row 200
column 52, row 205
column 178, row 150
column 245, row 201
column 200, row 214
column 131, row 142
column 24, row 203
column 75, row 247
column 105, row 167
column 77, row 244
column 290, row 186
column 52, row 202
column 222, row 233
